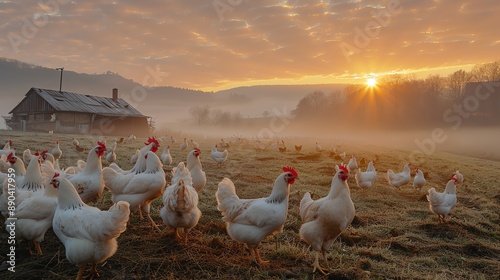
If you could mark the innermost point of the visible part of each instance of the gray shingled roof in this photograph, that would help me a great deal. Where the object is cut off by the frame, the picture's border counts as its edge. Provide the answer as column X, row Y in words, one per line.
column 74, row 102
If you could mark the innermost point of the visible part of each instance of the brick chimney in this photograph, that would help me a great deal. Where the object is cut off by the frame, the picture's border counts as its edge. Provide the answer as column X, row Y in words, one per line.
column 115, row 94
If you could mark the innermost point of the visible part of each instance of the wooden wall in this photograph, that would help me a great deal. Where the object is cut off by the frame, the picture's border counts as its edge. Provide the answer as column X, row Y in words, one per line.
column 33, row 103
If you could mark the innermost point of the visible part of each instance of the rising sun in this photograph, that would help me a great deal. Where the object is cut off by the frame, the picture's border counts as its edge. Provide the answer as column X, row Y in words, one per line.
column 371, row 82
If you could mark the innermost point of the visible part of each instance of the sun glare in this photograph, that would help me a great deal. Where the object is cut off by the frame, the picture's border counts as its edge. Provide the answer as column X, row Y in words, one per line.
column 371, row 82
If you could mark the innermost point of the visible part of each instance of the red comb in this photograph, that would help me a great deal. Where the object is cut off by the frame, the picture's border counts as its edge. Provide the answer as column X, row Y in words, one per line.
column 196, row 149
column 343, row 168
column 55, row 175
column 44, row 152
column 291, row 170
column 11, row 155
column 454, row 179
column 37, row 153
column 102, row 145
column 152, row 140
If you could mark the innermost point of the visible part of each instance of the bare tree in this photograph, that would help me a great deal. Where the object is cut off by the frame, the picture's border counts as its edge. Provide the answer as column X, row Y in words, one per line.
column 317, row 100
column 237, row 117
column 434, row 84
column 456, row 83
column 394, row 81
column 488, row 72
column 200, row 113
column 335, row 98
column 217, row 116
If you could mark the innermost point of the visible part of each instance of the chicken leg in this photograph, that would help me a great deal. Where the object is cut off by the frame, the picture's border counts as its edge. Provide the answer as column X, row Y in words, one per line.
column 80, row 273
column 317, row 266
column 441, row 219
column 94, row 272
column 153, row 224
column 255, row 255
column 177, row 235
column 37, row 247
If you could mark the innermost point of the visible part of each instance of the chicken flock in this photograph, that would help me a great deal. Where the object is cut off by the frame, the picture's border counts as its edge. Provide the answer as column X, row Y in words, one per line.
column 65, row 199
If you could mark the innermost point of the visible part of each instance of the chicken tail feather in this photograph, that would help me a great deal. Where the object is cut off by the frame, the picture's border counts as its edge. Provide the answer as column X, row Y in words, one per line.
column 226, row 195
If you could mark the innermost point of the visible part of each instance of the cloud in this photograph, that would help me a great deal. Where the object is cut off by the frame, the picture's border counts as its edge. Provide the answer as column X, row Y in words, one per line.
column 205, row 46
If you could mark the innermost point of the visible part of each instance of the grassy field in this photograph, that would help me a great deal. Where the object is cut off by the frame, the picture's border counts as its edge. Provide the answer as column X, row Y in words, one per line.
column 393, row 236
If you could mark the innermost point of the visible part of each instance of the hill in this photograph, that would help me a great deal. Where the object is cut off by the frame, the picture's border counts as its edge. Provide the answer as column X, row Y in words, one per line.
column 164, row 103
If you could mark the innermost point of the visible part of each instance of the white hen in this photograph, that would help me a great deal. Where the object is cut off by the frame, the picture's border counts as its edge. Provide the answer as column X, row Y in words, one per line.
column 194, row 144
column 88, row 234
column 442, row 203
column 183, row 145
column 88, row 183
column 180, row 203
column 28, row 181
column 318, row 147
column 399, row 179
column 250, row 220
column 141, row 189
column 34, row 217
column 219, row 157
column 326, row 218
column 7, row 148
column 353, row 164
column 4, row 164
column 459, row 177
column 57, row 152
column 140, row 165
column 366, row 179
column 32, row 183
column 111, row 156
column 195, row 168
column 166, row 157
column 27, row 155
column 419, row 179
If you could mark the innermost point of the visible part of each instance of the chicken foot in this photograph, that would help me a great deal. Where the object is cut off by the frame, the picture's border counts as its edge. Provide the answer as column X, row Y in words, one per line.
column 256, row 256
column 181, row 237
column 92, row 273
column 153, row 224
column 317, row 266
column 37, row 247
column 177, row 235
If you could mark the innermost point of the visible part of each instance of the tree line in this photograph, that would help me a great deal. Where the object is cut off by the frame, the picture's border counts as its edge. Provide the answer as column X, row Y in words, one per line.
column 206, row 115
column 399, row 100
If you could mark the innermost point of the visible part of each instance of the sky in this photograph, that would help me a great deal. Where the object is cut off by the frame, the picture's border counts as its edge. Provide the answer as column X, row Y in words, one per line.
column 219, row 44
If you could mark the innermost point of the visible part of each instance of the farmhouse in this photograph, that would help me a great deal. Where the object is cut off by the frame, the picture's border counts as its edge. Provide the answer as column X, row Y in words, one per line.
column 67, row 112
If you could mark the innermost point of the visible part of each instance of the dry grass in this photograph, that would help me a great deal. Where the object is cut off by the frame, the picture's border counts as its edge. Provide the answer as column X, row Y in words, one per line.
column 393, row 235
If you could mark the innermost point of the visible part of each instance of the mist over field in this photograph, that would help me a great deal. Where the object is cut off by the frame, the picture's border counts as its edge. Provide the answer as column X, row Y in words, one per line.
column 480, row 142
column 423, row 115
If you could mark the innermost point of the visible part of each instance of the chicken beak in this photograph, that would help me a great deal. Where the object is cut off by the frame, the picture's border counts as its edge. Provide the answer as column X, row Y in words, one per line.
column 292, row 179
